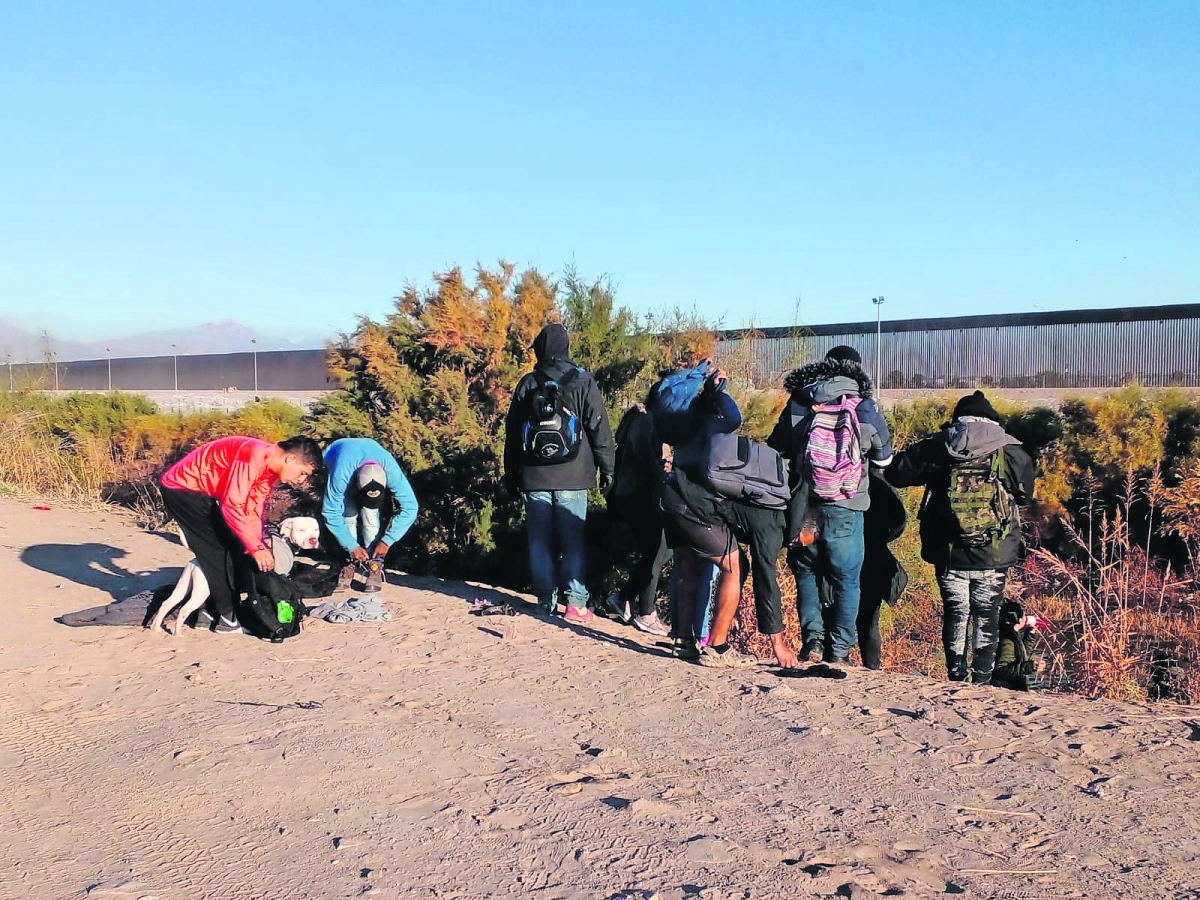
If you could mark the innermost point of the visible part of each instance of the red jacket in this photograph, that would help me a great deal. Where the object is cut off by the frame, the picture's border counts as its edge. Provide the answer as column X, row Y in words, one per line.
column 233, row 470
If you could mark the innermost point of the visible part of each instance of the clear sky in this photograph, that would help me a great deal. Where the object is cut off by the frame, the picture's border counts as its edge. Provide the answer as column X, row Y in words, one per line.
column 292, row 164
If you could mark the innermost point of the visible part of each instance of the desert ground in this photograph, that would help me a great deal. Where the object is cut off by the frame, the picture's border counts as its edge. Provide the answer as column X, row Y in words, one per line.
column 447, row 755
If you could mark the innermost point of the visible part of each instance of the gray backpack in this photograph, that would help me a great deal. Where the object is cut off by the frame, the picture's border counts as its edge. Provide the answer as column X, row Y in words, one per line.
column 738, row 468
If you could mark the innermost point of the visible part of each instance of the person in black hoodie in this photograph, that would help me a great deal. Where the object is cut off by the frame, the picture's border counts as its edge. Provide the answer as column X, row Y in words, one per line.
column 555, row 490
column 967, row 533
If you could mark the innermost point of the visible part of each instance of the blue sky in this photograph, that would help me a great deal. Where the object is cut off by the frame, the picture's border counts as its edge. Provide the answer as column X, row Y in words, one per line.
column 291, row 165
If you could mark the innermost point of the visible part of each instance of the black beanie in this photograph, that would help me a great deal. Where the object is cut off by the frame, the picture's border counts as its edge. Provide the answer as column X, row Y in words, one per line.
column 844, row 352
column 975, row 405
column 552, row 342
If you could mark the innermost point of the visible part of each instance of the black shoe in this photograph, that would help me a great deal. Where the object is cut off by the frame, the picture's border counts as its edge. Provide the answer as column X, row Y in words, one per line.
column 838, row 659
column 812, row 651
column 228, row 626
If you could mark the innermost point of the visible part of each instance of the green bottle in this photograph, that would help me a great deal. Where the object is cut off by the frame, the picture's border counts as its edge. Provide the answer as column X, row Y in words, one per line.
column 284, row 612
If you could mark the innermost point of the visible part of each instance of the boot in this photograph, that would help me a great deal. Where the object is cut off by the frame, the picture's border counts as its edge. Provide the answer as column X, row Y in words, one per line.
column 374, row 569
column 345, row 577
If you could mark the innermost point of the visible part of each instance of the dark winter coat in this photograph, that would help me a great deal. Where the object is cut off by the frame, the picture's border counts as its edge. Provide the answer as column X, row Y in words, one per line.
column 583, row 397
column 930, row 463
column 824, row 382
column 639, row 465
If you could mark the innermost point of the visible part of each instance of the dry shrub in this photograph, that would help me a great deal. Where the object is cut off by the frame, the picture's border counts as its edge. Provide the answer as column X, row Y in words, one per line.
column 34, row 460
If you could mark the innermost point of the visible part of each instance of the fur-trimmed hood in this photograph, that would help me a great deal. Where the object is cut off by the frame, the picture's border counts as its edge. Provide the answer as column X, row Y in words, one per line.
column 826, row 380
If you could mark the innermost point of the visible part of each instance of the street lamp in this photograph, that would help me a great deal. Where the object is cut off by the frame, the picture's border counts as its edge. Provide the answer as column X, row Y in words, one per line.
column 175, row 365
column 255, row 343
column 878, row 301
column 108, row 356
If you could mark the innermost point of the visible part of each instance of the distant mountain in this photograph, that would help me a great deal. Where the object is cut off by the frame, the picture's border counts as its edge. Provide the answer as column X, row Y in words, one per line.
column 225, row 336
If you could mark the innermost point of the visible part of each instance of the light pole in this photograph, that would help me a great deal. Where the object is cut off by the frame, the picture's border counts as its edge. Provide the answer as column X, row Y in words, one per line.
column 108, row 357
column 54, row 356
column 175, row 365
column 878, row 301
column 255, row 343
column 8, row 359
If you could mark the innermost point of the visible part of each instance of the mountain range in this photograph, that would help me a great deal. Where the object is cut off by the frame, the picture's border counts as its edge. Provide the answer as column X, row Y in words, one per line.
column 225, row 336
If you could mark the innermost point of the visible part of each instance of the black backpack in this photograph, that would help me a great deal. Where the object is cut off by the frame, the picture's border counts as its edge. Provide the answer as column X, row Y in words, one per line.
column 738, row 468
column 271, row 620
column 552, row 432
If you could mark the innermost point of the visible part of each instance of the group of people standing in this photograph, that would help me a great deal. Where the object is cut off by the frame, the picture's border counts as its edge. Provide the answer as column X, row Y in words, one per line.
column 836, row 516
column 976, row 478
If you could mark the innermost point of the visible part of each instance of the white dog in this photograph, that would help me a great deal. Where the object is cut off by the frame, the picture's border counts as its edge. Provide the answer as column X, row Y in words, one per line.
column 191, row 579
column 302, row 531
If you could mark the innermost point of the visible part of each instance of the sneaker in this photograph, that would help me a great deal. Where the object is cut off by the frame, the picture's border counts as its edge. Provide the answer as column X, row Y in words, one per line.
column 374, row 577
column 228, row 626
column 813, row 650
column 579, row 614
column 651, row 624
column 730, row 659
column 618, row 609
column 204, row 621
column 686, row 649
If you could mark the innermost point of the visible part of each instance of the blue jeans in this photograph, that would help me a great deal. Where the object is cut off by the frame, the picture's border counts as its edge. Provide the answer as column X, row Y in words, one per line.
column 362, row 521
column 968, row 595
column 557, row 557
column 837, row 556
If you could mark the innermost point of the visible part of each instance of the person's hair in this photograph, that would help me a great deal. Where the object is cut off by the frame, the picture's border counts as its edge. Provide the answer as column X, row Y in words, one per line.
column 1011, row 613
column 305, row 448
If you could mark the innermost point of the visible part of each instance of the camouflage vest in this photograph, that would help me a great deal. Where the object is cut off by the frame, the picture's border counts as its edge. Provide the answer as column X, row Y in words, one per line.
column 981, row 507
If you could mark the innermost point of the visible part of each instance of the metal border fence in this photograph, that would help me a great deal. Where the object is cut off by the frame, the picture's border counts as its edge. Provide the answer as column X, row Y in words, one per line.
column 1154, row 345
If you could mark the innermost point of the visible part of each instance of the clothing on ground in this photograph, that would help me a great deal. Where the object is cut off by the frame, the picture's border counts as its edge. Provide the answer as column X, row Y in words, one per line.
column 343, row 612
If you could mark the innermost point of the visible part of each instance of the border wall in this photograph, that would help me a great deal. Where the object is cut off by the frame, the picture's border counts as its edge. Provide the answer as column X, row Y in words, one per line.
column 1154, row 346
column 270, row 370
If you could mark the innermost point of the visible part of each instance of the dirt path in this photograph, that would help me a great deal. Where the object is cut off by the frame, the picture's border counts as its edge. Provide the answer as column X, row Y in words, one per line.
column 443, row 755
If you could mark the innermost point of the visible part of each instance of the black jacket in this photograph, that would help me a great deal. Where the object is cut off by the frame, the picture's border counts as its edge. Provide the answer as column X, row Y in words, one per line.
column 824, row 382
column 597, row 452
column 930, row 462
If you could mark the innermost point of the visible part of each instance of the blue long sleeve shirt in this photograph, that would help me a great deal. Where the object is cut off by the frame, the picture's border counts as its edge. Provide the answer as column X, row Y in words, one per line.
column 345, row 457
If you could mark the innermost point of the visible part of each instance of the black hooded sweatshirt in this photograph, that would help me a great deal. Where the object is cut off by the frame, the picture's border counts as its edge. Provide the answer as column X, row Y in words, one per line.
column 582, row 396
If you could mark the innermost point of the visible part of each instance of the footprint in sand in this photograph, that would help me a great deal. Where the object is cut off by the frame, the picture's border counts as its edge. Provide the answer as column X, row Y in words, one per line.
column 706, row 848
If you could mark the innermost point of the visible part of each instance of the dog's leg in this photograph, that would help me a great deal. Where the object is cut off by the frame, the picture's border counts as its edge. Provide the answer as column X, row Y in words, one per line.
column 199, row 595
column 177, row 595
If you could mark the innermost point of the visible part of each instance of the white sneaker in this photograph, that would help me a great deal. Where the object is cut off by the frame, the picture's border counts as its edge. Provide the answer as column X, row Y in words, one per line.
column 651, row 624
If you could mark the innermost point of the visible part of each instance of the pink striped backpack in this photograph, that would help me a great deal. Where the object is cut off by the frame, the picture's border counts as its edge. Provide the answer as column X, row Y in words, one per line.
column 833, row 456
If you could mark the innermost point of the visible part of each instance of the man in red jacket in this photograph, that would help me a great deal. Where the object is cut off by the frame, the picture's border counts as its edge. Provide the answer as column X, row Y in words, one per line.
column 217, row 493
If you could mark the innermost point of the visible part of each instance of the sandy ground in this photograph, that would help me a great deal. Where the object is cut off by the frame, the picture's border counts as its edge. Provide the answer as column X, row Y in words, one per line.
column 444, row 755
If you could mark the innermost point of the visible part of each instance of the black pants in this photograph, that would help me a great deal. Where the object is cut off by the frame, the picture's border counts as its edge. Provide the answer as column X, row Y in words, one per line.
column 219, row 552
column 762, row 532
column 651, row 543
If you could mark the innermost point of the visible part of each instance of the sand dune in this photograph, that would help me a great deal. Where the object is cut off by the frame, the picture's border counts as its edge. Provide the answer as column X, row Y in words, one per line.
column 446, row 755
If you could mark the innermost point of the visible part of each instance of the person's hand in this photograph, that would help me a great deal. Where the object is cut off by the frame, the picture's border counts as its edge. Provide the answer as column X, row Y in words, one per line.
column 606, row 484
column 715, row 380
column 358, row 554
column 784, row 655
column 381, row 549
column 264, row 559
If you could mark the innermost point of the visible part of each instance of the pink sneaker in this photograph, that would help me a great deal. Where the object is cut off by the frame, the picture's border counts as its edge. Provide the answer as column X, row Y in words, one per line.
column 579, row 614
